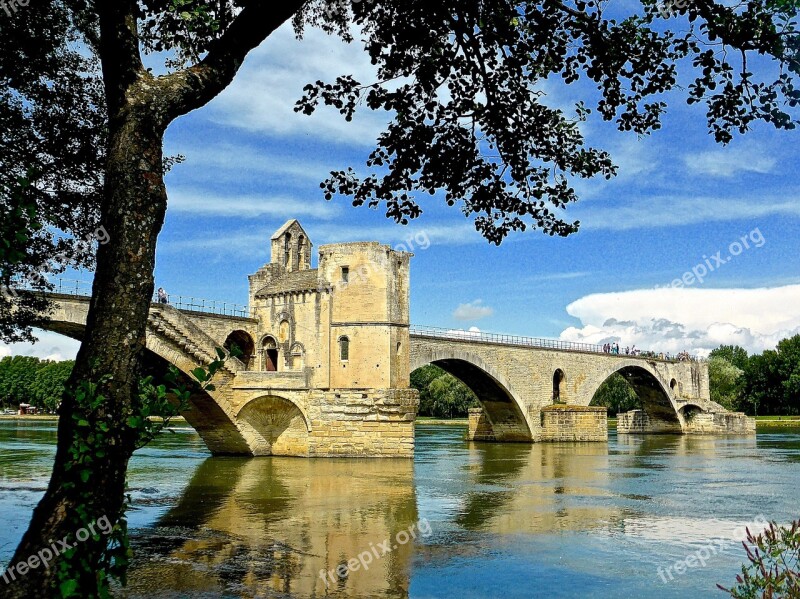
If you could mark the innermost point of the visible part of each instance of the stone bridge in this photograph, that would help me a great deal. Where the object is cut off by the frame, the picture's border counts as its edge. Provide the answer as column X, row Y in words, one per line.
column 528, row 392
column 327, row 354
column 541, row 390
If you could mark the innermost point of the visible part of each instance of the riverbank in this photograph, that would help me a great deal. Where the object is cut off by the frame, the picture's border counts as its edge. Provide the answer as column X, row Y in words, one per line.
column 442, row 421
column 52, row 417
column 777, row 422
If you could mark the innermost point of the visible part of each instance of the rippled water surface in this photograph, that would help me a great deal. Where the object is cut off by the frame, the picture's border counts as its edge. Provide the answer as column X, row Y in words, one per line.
column 460, row 520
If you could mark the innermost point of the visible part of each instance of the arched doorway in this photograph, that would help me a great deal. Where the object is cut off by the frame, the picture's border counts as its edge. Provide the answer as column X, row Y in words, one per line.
column 244, row 342
column 558, row 386
column 269, row 354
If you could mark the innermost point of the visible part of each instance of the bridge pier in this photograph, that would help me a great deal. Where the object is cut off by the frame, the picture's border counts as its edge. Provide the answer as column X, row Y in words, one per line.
column 640, row 422
column 720, row 423
column 563, row 422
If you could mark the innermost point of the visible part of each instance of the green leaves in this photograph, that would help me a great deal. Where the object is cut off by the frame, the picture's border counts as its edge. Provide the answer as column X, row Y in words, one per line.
column 774, row 564
column 201, row 374
column 441, row 394
column 30, row 380
column 463, row 83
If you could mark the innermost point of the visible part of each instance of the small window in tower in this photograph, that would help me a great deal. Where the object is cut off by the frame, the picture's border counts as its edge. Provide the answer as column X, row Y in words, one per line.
column 345, row 274
column 344, row 349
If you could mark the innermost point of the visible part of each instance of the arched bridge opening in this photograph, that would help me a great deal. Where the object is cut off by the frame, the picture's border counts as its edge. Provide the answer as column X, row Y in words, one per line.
column 655, row 410
column 203, row 413
column 276, row 427
column 500, row 417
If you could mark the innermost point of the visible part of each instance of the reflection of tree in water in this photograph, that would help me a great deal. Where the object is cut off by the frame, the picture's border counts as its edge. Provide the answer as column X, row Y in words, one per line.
column 266, row 527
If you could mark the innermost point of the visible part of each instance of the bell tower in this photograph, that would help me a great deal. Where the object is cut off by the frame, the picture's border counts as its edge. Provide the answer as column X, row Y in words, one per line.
column 291, row 247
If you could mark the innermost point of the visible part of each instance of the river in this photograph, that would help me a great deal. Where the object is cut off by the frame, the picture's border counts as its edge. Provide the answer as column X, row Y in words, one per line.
column 460, row 520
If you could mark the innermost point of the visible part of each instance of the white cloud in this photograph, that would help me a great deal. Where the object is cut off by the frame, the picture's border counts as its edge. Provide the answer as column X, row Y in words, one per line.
column 697, row 320
column 414, row 238
column 230, row 160
column 271, row 80
column 729, row 161
column 199, row 201
column 49, row 346
column 474, row 310
column 640, row 212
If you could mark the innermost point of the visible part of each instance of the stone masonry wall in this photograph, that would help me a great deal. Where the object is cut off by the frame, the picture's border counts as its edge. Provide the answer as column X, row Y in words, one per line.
column 564, row 423
column 363, row 423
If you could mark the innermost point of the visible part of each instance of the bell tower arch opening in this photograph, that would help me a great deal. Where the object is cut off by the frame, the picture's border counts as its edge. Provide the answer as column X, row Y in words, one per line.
column 245, row 344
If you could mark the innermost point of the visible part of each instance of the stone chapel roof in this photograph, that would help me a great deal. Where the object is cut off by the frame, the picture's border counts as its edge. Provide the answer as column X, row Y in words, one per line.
column 301, row 280
column 286, row 226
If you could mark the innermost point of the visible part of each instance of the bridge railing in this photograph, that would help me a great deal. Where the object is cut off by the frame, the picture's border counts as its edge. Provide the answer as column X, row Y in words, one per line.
column 461, row 335
column 198, row 304
column 184, row 302
column 504, row 339
column 72, row 287
column 78, row 288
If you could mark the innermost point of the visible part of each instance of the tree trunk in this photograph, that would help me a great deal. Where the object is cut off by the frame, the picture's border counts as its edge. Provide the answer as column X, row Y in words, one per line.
column 133, row 213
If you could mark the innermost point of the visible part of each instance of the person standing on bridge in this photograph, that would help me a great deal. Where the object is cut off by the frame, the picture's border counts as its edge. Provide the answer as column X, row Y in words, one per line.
column 162, row 296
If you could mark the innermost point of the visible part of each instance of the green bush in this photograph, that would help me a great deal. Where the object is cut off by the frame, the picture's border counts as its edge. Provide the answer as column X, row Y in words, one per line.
column 774, row 565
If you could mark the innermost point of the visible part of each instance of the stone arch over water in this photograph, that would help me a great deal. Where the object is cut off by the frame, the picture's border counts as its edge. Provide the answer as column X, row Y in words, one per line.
column 657, row 400
column 501, row 407
column 276, row 426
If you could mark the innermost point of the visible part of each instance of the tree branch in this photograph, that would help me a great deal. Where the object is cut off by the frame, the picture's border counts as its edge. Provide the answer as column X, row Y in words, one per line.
column 195, row 86
column 119, row 49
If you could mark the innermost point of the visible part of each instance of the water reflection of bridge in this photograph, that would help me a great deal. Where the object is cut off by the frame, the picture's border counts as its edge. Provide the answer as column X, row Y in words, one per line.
column 267, row 527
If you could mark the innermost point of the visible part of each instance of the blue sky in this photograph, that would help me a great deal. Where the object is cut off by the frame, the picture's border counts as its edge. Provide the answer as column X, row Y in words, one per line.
column 252, row 163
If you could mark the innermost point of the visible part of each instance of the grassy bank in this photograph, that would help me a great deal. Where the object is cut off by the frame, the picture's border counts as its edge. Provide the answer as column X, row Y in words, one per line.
column 176, row 419
column 777, row 421
column 442, row 421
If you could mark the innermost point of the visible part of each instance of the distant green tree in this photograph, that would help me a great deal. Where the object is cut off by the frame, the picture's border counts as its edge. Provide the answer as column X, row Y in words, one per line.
column 771, row 381
column 617, row 395
column 17, row 376
column 734, row 354
column 25, row 379
column 48, row 385
column 441, row 395
column 452, row 398
column 725, row 381
column 789, row 371
column 420, row 379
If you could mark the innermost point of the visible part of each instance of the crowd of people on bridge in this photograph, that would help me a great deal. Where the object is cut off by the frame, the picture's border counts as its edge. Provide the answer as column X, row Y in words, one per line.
column 614, row 348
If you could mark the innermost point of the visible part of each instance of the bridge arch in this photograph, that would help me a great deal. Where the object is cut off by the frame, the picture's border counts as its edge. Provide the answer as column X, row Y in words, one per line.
column 500, row 404
column 657, row 396
column 276, row 426
column 211, row 417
